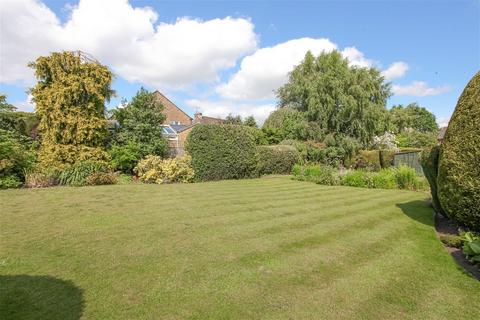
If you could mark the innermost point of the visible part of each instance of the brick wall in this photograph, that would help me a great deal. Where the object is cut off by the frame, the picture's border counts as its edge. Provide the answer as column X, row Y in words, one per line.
column 172, row 112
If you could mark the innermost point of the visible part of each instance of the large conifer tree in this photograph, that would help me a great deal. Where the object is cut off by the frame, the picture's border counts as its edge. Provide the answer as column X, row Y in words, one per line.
column 70, row 98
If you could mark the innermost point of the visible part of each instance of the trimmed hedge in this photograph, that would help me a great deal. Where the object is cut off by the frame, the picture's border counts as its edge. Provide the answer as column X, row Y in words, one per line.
column 276, row 159
column 222, row 152
column 459, row 161
column 429, row 162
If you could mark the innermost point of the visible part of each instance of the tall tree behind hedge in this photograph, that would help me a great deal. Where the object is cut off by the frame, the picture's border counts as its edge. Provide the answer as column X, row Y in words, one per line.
column 459, row 164
column 70, row 98
column 412, row 117
column 140, row 124
column 338, row 97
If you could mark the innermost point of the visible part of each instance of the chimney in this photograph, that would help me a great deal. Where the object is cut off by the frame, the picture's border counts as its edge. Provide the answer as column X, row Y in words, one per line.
column 198, row 117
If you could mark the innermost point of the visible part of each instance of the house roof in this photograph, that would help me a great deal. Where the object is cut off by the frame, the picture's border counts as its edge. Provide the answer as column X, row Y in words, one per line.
column 179, row 127
column 173, row 104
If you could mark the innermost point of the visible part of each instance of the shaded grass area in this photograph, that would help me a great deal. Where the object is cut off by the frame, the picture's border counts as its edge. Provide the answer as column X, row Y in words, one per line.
column 268, row 248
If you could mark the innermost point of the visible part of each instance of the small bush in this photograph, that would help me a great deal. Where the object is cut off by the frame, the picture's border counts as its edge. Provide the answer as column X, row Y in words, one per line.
column 77, row 174
column 383, row 179
column 451, row 240
column 41, row 179
column 154, row 169
column 278, row 159
column 471, row 246
column 17, row 154
column 406, row 178
column 319, row 174
column 125, row 157
column 368, row 159
column 101, row 178
column 222, row 152
column 356, row 178
column 11, row 181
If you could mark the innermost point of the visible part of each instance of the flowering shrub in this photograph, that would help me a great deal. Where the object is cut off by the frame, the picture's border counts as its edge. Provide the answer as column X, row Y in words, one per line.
column 154, row 169
column 386, row 141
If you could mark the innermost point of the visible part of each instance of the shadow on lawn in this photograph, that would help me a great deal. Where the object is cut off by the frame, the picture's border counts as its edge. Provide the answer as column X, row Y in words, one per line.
column 39, row 297
column 418, row 210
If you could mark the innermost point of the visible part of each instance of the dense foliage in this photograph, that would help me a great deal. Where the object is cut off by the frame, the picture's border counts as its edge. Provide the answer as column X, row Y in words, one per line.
column 70, row 100
column 429, row 161
column 140, row 132
column 17, row 154
column 338, row 98
column 154, row 169
column 285, row 123
column 459, row 162
column 412, row 117
column 85, row 173
column 222, row 152
column 124, row 157
column 276, row 159
column 391, row 178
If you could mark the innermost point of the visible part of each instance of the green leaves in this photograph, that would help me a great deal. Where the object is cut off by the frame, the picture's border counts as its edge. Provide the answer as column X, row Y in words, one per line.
column 471, row 246
column 337, row 97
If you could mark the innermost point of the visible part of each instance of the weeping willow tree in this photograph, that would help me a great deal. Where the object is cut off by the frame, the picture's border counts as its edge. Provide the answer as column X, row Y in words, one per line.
column 70, row 98
column 338, row 98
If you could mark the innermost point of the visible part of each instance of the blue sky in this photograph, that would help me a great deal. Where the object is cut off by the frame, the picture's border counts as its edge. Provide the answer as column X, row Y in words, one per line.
column 435, row 45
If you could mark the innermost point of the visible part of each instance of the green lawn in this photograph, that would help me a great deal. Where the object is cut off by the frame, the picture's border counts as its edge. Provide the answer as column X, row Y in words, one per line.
column 268, row 248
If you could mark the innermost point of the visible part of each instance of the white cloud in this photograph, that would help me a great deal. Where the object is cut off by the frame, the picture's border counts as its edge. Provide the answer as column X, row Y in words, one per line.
column 395, row 70
column 28, row 105
column 126, row 38
column 224, row 108
column 419, row 89
column 267, row 69
column 443, row 122
column 264, row 71
column 356, row 57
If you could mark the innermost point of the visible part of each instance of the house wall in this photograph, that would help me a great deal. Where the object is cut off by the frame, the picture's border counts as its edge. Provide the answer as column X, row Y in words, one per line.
column 172, row 112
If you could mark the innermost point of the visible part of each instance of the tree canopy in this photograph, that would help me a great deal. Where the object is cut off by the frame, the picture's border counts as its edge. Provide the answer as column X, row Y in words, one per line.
column 337, row 97
column 412, row 117
column 70, row 98
column 140, row 123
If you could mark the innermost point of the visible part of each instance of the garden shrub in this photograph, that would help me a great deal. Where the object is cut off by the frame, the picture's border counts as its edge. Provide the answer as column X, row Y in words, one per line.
column 154, row 169
column 356, row 178
column 101, row 178
column 11, row 181
column 77, row 174
column 368, row 159
column 16, row 155
column 316, row 173
column 429, row 162
column 222, row 152
column 125, row 157
column 459, row 161
column 386, row 158
column 471, row 246
column 406, row 178
column 451, row 240
column 41, row 178
column 276, row 159
column 383, row 179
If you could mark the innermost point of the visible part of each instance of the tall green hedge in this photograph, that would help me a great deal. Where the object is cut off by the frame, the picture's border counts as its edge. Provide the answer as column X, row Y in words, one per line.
column 276, row 159
column 429, row 162
column 222, row 152
column 459, row 163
